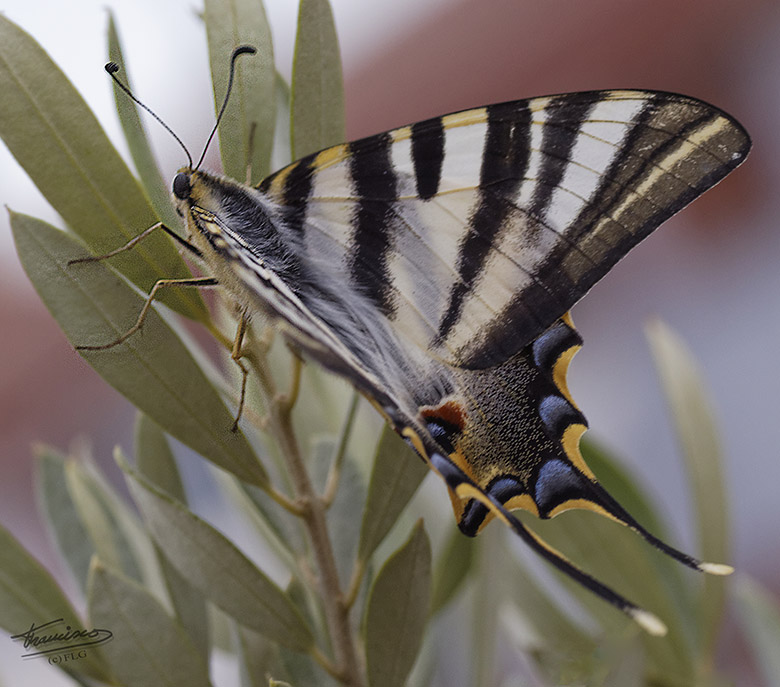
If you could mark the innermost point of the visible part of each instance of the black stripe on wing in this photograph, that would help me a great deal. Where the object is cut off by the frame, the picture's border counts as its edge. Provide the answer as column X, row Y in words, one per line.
column 504, row 164
column 375, row 190
column 297, row 188
column 428, row 156
column 560, row 135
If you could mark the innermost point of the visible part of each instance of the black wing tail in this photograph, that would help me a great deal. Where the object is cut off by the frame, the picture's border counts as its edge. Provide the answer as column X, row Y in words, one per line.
column 462, row 486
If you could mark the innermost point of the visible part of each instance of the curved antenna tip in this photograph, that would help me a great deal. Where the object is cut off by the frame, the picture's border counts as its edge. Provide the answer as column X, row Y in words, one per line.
column 111, row 67
column 648, row 622
column 240, row 50
column 244, row 50
column 716, row 568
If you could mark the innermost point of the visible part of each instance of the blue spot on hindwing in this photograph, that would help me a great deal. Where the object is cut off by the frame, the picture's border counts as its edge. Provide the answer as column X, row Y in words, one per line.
column 552, row 344
column 504, row 488
column 557, row 413
column 547, row 347
column 554, row 480
column 501, row 489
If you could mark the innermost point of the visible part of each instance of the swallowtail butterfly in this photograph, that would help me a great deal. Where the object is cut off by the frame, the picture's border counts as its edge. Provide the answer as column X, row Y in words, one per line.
column 433, row 266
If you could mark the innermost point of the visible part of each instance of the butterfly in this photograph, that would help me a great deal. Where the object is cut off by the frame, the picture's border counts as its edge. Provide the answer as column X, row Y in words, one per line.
column 434, row 266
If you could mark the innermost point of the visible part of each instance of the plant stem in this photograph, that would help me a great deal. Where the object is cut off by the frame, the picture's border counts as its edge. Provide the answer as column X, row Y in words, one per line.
column 313, row 509
column 354, row 585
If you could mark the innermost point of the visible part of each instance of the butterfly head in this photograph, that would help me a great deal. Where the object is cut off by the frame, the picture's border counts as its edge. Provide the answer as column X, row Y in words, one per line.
column 191, row 188
column 210, row 192
column 195, row 206
column 182, row 185
column 183, row 181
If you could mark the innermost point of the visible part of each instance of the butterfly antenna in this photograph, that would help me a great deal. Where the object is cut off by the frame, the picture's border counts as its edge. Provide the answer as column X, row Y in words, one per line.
column 112, row 68
column 240, row 50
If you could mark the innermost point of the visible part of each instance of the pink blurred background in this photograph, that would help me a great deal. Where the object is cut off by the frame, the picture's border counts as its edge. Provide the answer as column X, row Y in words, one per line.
column 711, row 273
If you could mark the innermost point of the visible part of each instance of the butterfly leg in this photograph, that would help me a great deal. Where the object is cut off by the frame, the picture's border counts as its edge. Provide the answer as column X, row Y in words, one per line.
column 136, row 240
column 200, row 282
column 235, row 355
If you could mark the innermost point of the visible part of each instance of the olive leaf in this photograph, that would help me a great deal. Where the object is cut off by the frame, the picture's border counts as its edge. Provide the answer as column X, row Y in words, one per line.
column 246, row 132
column 214, row 565
column 317, row 97
column 148, row 647
column 152, row 369
column 397, row 612
column 54, row 136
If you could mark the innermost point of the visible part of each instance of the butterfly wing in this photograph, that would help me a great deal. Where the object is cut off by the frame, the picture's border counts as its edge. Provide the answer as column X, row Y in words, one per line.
column 434, row 266
column 474, row 231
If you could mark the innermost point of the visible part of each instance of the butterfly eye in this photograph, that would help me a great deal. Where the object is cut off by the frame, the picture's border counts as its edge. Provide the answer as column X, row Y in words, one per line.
column 181, row 186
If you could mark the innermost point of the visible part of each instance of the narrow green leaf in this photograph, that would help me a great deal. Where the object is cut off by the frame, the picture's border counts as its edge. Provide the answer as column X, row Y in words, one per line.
column 429, row 662
column 29, row 595
column 148, row 647
column 157, row 190
column 255, row 655
column 487, row 599
column 102, row 527
column 627, row 669
column 128, row 538
column 154, row 458
column 152, row 368
column 317, row 98
column 283, row 534
column 55, row 137
column 155, row 462
column 452, row 568
column 281, row 154
column 60, row 514
column 547, row 625
column 645, row 576
column 246, row 132
column 398, row 611
column 343, row 514
column 622, row 560
column 301, row 671
column 396, row 475
column 698, row 435
column 305, row 599
column 220, row 628
column 214, row 565
column 759, row 614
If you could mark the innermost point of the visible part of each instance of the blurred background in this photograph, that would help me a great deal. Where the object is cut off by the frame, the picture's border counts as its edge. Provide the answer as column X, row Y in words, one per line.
column 711, row 273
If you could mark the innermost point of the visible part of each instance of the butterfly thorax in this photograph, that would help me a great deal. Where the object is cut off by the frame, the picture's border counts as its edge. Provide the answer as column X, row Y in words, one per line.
column 214, row 206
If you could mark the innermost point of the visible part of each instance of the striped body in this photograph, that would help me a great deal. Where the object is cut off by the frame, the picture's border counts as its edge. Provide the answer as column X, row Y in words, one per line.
column 433, row 266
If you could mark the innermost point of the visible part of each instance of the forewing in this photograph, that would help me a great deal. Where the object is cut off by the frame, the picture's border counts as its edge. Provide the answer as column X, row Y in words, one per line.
column 473, row 232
